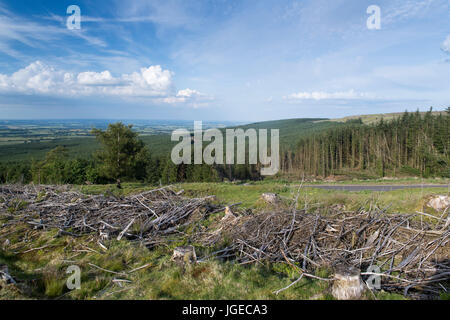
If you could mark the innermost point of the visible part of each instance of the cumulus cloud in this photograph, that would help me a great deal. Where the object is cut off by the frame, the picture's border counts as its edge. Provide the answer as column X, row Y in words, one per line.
column 35, row 78
column 96, row 78
column 153, row 77
column 192, row 97
column 188, row 93
column 446, row 45
column 322, row 95
column 153, row 82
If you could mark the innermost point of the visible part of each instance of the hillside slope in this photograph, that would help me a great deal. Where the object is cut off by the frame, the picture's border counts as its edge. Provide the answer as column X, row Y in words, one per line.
column 291, row 132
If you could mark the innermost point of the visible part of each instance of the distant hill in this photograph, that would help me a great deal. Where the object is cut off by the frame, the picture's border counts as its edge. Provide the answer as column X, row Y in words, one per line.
column 292, row 129
column 80, row 144
column 373, row 118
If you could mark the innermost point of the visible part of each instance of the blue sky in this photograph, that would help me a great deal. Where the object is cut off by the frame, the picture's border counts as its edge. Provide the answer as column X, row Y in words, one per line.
column 247, row 60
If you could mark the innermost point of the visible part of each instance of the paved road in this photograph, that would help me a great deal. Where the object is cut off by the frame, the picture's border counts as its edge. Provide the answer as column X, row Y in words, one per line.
column 376, row 187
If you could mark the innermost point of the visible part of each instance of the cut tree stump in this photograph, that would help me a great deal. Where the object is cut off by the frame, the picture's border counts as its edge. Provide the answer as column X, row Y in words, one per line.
column 229, row 219
column 229, row 215
column 5, row 276
column 228, row 211
column 185, row 254
column 6, row 244
column 270, row 198
column 439, row 203
column 347, row 283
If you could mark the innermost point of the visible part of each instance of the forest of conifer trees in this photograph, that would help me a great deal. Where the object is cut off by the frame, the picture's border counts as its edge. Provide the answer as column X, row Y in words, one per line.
column 412, row 144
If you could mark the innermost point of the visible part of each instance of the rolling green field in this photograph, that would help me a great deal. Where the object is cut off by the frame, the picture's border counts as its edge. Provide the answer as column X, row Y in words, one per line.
column 27, row 140
column 159, row 144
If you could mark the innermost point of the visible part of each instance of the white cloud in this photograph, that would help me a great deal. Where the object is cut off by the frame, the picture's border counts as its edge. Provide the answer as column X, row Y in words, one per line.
column 14, row 28
column 446, row 45
column 153, row 78
column 191, row 97
column 322, row 95
column 401, row 10
column 152, row 83
column 35, row 78
column 188, row 93
column 96, row 78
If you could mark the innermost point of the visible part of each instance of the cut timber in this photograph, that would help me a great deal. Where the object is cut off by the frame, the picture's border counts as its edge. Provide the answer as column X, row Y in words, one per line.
column 228, row 211
column 5, row 276
column 347, row 283
column 6, row 244
column 185, row 254
column 439, row 203
column 270, row 198
column 229, row 218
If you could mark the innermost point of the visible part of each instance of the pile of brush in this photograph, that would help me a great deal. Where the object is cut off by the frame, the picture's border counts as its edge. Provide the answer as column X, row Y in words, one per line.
column 142, row 217
column 408, row 252
column 404, row 250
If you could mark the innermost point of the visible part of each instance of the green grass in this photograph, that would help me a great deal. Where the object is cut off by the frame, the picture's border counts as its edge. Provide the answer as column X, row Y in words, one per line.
column 249, row 194
column 405, row 200
column 41, row 274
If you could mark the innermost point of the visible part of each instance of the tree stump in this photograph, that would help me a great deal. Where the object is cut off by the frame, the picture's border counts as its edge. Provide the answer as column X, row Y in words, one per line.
column 103, row 233
column 6, row 244
column 439, row 203
column 271, row 198
column 185, row 254
column 228, row 212
column 5, row 276
column 347, row 283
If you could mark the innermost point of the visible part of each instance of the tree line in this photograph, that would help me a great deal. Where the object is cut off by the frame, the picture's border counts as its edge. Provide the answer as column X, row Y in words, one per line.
column 123, row 157
column 413, row 144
